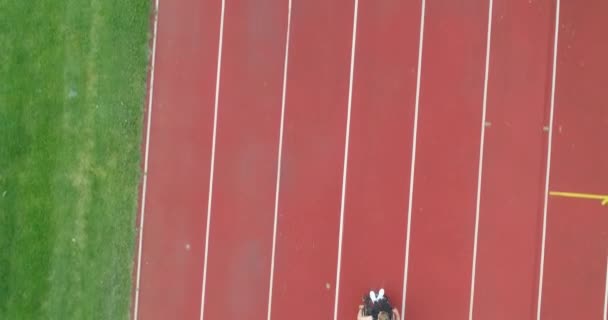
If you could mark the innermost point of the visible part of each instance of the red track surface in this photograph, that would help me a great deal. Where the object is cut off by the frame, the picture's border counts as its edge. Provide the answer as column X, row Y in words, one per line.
column 443, row 214
column 313, row 154
column 308, row 243
column 511, row 200
column 178, row 169
column 380, row 151
column 242, row 210
column 577, row 231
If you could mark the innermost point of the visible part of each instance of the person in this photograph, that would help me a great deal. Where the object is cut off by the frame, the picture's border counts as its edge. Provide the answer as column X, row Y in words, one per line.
column 381, row 315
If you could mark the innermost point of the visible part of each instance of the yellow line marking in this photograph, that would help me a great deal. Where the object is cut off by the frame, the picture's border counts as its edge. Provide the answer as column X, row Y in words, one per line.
column 603, row 198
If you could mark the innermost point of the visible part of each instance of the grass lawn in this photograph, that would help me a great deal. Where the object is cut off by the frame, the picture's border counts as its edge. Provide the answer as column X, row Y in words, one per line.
column 72, row 89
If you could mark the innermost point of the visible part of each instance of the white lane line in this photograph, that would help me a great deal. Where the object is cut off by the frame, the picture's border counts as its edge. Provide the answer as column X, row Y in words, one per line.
column 279, row 158
column 142, row 213
column 413, row 161
column 481, row 151
column 548, row 172
column 212, row 167
column 346, row 145
column 606, row 293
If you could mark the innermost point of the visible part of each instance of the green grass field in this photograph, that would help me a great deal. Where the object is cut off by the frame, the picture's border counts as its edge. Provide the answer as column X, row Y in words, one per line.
column 72, row 89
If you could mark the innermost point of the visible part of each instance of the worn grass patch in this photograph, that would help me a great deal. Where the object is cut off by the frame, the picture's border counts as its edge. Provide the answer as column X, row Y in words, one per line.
column 72, row 88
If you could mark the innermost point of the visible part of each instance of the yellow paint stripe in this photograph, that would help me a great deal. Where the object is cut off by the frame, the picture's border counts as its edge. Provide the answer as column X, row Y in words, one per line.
column 603, row 198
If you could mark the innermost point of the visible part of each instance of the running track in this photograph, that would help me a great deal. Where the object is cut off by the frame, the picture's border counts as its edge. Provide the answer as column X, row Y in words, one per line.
column 299, row 153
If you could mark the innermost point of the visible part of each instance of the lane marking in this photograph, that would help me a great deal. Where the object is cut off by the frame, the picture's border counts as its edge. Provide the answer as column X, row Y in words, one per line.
column 413, row 160
column 279, row 158
column 212, row 166
column 481, row 149
column 589, row 196
column 142, row 213
column 346, row 145
column 548, row 168
column 606, row 293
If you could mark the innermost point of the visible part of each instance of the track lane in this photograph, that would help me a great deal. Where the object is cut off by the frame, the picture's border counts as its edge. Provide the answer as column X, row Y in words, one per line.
column 576, row 238
column 313, row 156
column 379, row 157
column 513, row 178
column 249, row 108
column 445, row 188
column 179, row 155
